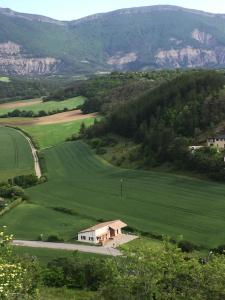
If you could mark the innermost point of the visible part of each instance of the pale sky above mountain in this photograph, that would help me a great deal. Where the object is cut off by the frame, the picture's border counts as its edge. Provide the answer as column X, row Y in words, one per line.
column 74, row 9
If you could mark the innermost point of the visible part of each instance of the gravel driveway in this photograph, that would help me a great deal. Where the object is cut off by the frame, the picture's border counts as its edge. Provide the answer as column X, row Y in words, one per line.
column 71, row 247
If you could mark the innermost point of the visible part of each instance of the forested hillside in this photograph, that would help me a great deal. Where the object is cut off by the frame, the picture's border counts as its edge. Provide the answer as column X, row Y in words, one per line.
column 105, row 92
column 166, row 120
column 16, row 88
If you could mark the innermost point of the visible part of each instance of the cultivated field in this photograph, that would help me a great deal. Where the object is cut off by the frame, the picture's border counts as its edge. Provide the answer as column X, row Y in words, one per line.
column 53, row 134
column 90, row 188
column 37, row 105
column 68, row 116
column 15, row 154
column 10, row 106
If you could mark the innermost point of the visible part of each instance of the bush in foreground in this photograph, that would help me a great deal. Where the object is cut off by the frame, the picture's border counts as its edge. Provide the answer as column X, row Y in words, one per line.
column 18, row 279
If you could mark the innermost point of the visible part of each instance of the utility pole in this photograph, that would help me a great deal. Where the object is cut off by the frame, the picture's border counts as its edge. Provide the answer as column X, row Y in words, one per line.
column 121, row 189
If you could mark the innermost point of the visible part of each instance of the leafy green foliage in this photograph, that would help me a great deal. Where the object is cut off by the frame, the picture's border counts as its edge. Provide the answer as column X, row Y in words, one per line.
column 103, row 93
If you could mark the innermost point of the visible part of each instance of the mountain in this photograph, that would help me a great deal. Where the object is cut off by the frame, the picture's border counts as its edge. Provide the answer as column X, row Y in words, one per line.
column 128, row 39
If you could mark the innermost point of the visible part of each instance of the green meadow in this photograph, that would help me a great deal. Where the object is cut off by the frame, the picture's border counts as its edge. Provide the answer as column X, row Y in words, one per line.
column 53, row 134
column 48, row 106
column 15, row 154
column 4, row 79
column 89, row 188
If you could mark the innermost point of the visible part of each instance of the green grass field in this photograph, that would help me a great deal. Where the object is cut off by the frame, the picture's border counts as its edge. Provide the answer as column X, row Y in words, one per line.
column 4, row 79
column 49, row 106
column 46, row 255
column 152, row 201
column 53, row 134
column 15, row 154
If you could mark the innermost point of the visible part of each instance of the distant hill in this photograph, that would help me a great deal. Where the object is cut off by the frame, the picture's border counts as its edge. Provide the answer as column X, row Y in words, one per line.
column 127, row 39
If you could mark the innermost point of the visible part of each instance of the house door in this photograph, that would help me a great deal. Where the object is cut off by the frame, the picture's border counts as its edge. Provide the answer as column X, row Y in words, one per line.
column 112, row 232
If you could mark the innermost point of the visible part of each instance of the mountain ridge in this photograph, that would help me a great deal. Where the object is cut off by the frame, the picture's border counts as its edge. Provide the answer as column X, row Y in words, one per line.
column 139, row 38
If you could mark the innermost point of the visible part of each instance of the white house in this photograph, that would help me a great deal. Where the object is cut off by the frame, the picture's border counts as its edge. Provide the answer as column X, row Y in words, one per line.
column 217, row 141
column 100, row 233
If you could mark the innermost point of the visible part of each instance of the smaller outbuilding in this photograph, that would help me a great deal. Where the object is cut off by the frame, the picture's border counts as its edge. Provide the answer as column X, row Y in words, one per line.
column 102, row 232
column 217, row 141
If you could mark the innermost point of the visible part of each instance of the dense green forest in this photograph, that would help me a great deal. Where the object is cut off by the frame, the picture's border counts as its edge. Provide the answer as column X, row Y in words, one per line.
column 23, row 88
column 105, row 92
column 165, row 120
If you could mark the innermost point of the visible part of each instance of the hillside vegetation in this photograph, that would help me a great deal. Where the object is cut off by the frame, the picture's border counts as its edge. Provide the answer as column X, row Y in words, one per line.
column 167, row 119
column 21, row 88
column 103, row 93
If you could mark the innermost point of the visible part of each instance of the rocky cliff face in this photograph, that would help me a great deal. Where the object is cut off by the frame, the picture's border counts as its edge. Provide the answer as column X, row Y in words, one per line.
column 14, row 62
column 186, row 57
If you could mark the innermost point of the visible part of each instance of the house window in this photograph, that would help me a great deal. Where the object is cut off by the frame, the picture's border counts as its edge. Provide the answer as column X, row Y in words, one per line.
column 83, row 237
column 91, row 239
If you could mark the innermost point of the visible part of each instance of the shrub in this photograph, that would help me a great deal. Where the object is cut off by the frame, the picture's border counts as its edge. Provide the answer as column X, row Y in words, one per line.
column 220, row 249
column 187, row 246
column 54, row 238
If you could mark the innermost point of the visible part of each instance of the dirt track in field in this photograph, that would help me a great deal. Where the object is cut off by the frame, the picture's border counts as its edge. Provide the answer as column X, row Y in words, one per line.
column 18, row 104
column 53, row 119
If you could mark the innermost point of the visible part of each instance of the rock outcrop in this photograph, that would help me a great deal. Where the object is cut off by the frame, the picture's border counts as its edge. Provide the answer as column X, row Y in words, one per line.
column 13, row 61
column 203, row 37
column 187, row 57
column 122, row 59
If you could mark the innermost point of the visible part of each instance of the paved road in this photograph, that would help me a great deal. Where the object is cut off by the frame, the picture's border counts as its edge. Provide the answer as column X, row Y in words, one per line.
column 35, row 156
column 71, row 247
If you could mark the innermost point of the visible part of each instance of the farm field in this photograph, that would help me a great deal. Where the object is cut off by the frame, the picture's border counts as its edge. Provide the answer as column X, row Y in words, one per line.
column 15, row 154
column 38, row 105
column 53, row 134
column 90, row 188
column 63, row 117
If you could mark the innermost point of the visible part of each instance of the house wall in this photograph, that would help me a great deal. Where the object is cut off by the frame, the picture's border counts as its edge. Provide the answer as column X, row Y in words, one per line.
column 218, row 143
column 90, row 237
column 93, row 236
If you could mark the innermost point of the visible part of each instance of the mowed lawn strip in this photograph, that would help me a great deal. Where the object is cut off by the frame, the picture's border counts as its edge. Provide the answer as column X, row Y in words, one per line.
column 53, row 134
column 15, row 154
column 48, row 106
column 153, row 202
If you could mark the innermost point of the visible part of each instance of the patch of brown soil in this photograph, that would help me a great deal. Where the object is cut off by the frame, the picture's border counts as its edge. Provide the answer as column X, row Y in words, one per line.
column 53, row 119
column 18, row 104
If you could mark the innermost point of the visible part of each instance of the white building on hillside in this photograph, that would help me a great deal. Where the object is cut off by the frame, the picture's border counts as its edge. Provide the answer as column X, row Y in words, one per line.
column 101, row 233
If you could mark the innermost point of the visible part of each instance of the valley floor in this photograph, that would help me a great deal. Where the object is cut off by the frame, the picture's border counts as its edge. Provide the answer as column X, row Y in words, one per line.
column 82, row 190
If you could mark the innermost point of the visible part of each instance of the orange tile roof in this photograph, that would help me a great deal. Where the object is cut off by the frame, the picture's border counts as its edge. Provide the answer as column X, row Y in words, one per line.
column 117, row 224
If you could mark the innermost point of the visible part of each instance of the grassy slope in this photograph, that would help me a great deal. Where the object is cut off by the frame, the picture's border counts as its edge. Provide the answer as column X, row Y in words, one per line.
column 49, row 106
column 153, row 201
column 49, row 135
column 15, row 154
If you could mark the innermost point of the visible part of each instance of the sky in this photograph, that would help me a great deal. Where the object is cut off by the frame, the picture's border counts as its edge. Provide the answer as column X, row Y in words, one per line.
column 75, row 9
